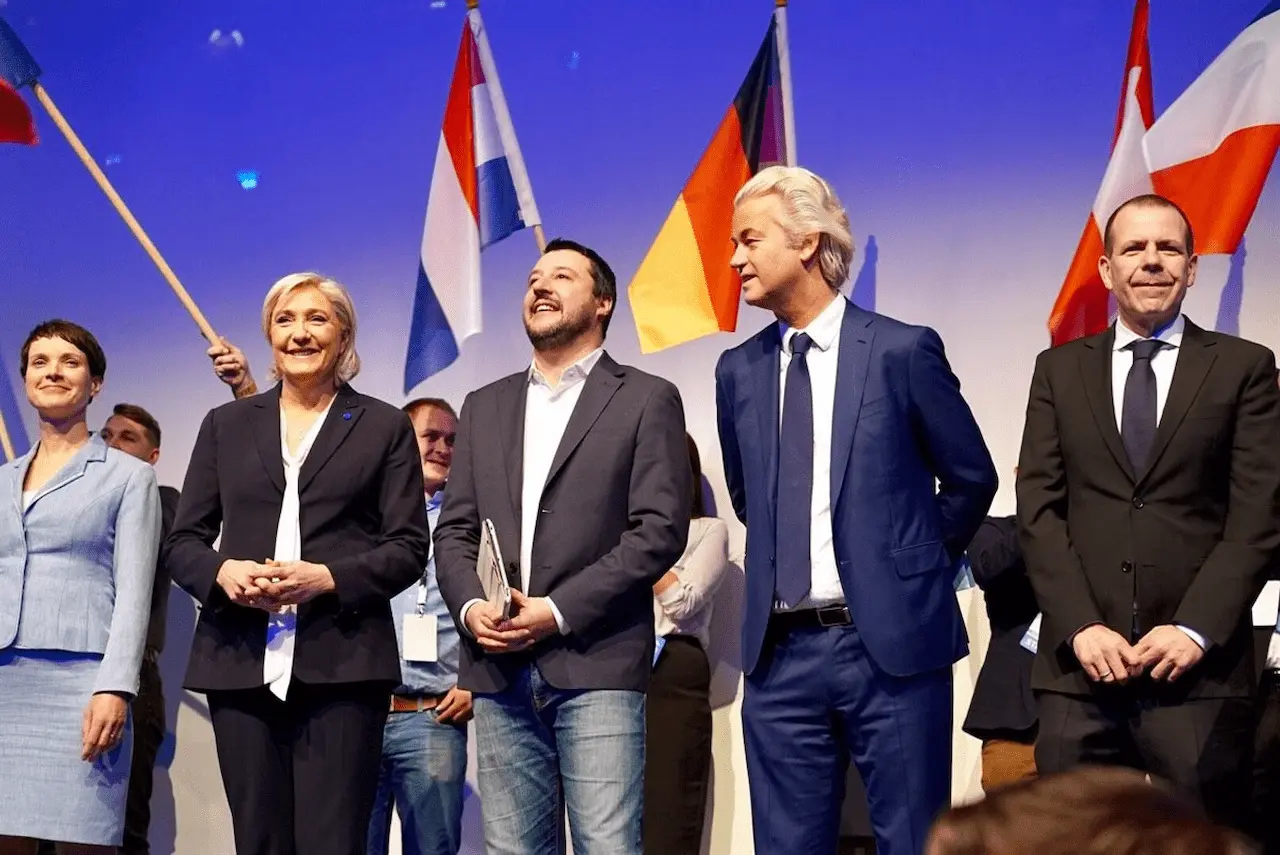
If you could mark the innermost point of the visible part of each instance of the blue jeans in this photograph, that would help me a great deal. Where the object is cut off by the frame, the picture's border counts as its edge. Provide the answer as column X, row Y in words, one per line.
column 534, row 738
column 424, row 770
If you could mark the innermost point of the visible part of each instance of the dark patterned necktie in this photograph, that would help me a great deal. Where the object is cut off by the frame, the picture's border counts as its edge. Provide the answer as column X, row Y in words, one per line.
column 795, row 478
column 1138, row 412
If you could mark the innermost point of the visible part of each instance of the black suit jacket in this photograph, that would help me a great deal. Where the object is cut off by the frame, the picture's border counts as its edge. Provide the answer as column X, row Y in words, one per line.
column 1002, row 702
column 160, row 590
column 362, row 515
column 614, row 517
column 1186, row 541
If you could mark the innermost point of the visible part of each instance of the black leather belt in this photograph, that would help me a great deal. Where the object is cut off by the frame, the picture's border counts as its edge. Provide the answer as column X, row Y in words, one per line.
column 824, row 617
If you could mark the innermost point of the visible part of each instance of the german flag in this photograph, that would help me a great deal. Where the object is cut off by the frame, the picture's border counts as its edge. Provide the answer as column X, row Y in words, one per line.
column 685, row 288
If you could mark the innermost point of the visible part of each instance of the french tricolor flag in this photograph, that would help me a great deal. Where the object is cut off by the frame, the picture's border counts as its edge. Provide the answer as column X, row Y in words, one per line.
column 480, row 193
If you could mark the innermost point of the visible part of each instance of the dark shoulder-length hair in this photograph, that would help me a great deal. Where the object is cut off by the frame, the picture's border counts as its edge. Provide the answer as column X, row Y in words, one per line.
column 697, row 502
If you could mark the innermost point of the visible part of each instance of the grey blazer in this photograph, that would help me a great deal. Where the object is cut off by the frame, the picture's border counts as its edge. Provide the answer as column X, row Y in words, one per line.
column 77, row 565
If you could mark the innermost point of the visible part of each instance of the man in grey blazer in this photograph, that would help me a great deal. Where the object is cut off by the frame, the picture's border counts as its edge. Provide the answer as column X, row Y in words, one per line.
column 582, row 466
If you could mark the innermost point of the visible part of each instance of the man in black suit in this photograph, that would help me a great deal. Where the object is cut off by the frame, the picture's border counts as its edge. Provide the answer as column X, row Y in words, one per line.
column 582, row 467
column 133, row 430
column 1002, row 712
column 1147, row 495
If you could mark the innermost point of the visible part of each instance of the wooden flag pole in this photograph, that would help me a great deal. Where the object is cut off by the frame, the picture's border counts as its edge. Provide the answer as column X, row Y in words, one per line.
column 206, row 329
column 6, row 442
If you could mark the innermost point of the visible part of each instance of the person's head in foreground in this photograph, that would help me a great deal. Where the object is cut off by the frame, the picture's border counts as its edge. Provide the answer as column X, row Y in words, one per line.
column 1089, row 811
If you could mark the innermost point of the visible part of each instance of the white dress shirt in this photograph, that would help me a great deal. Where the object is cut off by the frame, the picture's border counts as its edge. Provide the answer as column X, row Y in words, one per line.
column 685, row 607
column 823, row 360
column 546, row 414
column 282, row 627
column 1163, row 361
column 547, row 410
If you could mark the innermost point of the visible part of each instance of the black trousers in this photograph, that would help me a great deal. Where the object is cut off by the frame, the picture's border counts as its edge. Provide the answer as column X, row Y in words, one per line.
column 300, row 774
column 1266, row 766
column 677, row 759
column 1201, row 748
column 148, row 734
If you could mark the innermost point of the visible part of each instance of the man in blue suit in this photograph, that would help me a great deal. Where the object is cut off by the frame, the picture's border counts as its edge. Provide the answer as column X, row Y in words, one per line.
column 861, row 475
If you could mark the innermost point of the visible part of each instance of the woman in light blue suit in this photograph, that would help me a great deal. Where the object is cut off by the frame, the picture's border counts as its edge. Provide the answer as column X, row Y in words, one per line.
column 79, row 533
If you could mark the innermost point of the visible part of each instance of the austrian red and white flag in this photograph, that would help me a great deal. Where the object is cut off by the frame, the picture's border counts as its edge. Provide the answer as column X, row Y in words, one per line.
column 1212, row 149
column 1083, row 307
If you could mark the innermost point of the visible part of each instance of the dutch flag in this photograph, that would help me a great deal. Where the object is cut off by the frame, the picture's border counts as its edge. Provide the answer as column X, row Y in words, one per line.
column 480, row 193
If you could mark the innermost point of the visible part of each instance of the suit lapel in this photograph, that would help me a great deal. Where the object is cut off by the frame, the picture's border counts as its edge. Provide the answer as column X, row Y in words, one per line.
column 765, row 368
column 20, row 475
column 1095, row 368
column 1195, row 357
column 266, row 434
column 94, row 451
column 511, row 404
column 854, row 357
column 342, row 418
column 597, row 390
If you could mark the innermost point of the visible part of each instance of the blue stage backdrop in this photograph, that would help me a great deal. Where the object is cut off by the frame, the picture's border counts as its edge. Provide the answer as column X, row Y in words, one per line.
column 255, row 139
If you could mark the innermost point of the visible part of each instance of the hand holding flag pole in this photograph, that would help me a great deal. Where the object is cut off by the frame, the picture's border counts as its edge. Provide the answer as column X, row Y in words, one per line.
column 18, row 69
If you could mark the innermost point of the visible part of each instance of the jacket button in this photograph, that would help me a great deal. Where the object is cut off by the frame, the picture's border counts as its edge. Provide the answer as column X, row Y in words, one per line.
column 1138, row 503
column 1126, row 567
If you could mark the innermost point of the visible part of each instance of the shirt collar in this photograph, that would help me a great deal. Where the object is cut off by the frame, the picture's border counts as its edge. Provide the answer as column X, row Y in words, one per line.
column 434, row 501
column 575, row 372
column 822, row 329
column 1170, row 335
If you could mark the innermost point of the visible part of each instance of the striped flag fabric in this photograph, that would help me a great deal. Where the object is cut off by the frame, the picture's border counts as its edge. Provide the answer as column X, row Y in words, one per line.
column 1212, row 149
column 17, row 69
column 480, row 193
column 1083, row 304
column 684, row 288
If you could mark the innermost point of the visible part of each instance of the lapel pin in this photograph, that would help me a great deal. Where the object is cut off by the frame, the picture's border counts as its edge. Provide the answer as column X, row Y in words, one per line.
column 346, row 417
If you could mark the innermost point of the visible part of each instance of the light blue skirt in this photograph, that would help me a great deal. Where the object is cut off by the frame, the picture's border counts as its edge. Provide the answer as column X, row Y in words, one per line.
column 49, row 792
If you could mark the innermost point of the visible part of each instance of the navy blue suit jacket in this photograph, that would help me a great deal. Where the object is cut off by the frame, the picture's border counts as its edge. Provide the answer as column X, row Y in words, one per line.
column 900, row 423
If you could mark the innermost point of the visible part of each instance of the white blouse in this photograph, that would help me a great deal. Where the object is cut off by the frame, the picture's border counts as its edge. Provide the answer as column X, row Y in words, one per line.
column 282, row 627
column 685, row 607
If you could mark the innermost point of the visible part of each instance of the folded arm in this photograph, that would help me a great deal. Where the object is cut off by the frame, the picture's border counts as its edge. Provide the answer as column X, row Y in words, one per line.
column 952, row 442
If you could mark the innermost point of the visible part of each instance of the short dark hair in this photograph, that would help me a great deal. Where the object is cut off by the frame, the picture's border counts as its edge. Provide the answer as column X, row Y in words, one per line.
column 603, row 283
column 438, row 403
column 136, row 414
column 74, row 335
column 698, row 505
column 1148, row 200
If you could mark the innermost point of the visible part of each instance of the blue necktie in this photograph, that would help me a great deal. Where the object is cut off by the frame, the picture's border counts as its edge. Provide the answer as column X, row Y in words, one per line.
column 1138, row 412
column 795, row 479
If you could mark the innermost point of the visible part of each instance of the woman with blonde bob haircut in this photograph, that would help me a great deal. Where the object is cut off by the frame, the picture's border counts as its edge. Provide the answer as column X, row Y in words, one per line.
column 317, row 491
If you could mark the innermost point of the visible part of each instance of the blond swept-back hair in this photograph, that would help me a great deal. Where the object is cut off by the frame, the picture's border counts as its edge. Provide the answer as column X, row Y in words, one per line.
column 348, row 359
column 812, row 208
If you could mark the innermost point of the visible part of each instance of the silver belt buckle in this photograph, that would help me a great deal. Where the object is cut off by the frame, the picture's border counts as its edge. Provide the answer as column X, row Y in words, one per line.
column 829, row 616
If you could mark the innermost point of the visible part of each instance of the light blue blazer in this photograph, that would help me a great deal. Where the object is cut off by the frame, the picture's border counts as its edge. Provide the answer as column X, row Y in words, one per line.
column 77, row 565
